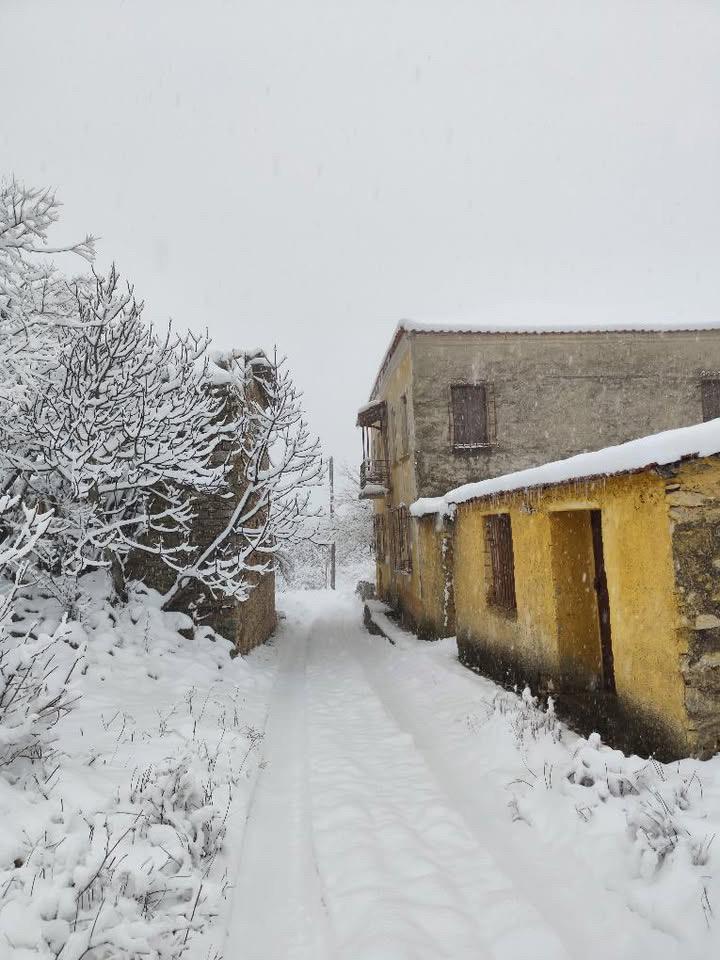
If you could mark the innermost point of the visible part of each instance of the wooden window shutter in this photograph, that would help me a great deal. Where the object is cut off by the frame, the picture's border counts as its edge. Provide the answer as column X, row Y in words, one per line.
column 498, row 534
column 469, row 415
column 491, row 415
column 710, row 391
column 393, row 539
column 406, row 552
column 400, row 540
column 379, row 538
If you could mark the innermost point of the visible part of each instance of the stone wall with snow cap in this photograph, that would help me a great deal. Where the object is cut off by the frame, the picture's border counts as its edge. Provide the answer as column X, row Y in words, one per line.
column 241, row 376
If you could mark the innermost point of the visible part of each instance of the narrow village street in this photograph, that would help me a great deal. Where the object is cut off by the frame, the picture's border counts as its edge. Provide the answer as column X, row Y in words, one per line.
column 379, row 831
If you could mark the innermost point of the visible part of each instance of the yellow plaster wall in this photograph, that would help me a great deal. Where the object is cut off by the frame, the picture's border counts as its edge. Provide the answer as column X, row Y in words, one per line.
column 526, row 636
column 647, row 633
column 437, row 618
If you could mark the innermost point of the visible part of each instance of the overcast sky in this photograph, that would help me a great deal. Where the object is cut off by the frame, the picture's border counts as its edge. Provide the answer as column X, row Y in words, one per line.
column 307, row 172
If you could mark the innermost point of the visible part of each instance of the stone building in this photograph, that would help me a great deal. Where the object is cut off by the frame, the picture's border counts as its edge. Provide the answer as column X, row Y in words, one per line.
column 454, row 404
column 595, row 579
column 250, row 622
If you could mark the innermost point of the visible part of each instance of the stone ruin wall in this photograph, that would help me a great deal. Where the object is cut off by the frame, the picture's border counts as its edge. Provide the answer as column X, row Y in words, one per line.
column 693, row 495
column 246, row 624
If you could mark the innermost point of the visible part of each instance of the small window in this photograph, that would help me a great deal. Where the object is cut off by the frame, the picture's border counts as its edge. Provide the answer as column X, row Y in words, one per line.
column 400, row 540
column 498, row 539
column 394, row 445
column 469, row 416
column 380, row 536
column 710, row 391
column 404, row 427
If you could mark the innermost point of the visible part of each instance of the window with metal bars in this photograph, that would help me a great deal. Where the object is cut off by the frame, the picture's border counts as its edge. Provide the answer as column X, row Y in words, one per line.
column 501, row 562
column 710, row 392
column 400, row 540
column 469, row 408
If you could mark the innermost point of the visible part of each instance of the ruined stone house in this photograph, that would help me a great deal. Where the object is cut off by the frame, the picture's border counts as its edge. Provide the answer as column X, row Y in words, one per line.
column 250, row 622
column 453, row 404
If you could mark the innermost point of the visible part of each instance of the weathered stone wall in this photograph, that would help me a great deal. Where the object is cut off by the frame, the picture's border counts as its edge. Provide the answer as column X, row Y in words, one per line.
column 694, row 501
column 247, row 623
column 554, row 394
column 436, row 585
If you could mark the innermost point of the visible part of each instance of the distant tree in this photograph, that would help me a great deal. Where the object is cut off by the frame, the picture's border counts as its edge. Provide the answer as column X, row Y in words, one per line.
column 34, row 294
column 353, row 527
column 304, row 564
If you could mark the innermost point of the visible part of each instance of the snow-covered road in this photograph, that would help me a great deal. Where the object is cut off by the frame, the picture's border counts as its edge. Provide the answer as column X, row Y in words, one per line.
column 374, row 834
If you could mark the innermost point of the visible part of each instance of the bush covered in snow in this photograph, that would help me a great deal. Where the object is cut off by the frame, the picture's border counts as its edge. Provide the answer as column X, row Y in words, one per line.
column 117, row 851
column 658, row 814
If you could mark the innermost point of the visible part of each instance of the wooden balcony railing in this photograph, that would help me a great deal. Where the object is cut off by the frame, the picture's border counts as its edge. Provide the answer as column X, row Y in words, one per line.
column 374, row 478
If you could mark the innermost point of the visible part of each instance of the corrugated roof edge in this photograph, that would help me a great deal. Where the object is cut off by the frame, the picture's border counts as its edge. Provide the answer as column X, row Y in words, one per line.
column 570, row 326
column 659, row 449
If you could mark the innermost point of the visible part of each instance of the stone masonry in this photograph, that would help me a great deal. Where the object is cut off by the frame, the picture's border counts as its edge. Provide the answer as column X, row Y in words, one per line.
column 552, row 394
column 246, row 624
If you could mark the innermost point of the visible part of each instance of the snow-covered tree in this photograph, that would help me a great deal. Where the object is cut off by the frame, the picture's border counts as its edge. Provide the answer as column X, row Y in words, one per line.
column 115, row 432
column 121, row 431
column 353, row 527
column 304, row 564
column 34, row 293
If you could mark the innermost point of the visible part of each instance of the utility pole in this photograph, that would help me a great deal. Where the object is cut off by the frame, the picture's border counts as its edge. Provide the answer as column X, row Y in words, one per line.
column 331, row 476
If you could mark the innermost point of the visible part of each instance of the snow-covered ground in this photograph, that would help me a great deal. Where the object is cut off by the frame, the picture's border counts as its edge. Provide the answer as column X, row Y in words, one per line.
column 411, row 810
column 334, row 795
column 125, row 845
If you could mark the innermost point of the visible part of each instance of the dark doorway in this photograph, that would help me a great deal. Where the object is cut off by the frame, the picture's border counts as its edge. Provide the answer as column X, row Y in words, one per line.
column 603, row 603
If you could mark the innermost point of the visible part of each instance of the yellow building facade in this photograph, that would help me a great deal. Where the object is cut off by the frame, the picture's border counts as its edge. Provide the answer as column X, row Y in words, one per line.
column 603, row 592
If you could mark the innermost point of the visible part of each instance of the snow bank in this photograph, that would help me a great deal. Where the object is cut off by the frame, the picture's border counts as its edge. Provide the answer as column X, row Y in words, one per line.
column 118, row 848
column 630, row 841
column 644, row 828
column 671, row 446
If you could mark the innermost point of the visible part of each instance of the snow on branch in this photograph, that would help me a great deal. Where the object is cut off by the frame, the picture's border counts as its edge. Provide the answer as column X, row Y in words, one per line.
column 116, row 435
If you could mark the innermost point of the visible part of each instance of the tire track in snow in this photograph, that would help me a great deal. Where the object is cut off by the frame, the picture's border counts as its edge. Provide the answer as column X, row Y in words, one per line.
column 405, row 877
column 591, row 920
column 278, row 908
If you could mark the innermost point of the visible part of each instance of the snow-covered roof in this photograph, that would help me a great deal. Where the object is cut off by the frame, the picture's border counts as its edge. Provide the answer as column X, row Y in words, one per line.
column 671, row 446
column 544, row 323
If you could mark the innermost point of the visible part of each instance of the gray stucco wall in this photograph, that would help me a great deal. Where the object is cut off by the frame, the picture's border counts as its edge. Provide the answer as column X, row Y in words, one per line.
column 554, row 394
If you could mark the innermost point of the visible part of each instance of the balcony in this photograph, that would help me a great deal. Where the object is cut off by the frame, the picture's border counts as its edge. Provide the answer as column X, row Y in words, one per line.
column 374, row 479
column 374, row 472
